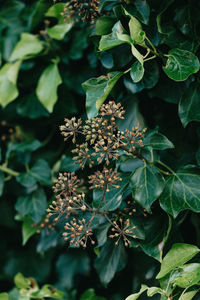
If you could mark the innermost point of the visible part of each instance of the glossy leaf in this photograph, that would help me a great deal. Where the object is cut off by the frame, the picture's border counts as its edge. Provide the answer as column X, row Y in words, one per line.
column 188, row 275
column 27, row 46
column 189, row 104
column 188, row 295
column 90, row 295
column 41, row 172
column 97, row 90
column 147, row 185
column 47, row 86
column 112, row 258
column 181, row 64
column 33, row 205
column 104, row 25
column 137, row 295
column 137, row 71
column 176, row 257
column 27, row 230
column 157, row 141
column 181, row 191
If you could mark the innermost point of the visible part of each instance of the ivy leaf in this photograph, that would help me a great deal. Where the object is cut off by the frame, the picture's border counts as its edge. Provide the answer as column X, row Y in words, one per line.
column 48, row 291
column 182, row 191
column 28, row 45
column 21, row 282
column 157, row 141
column 188, row 275
column 111, row 40
column 140, row 10
column 90, row 295
column 8, row 79
column 27, row 230
column 41, row 172
column 97, row 90
column 47, row 86
column 189, row 105
column 188, row 295
column 147, row 185
column 112, row 258
column 176, row 257
column 137, row 71
column 113, row 197
column 104, row 25
column 1, row 182
column 33, row 205
column 137, row 295
column 28, row 181
column 181, row 64
column 101, row 233
column 58, row 31
column 4, row 296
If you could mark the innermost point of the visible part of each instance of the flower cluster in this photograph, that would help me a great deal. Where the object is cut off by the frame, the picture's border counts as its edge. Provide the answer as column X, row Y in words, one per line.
column 103, row 142
column 84, row 10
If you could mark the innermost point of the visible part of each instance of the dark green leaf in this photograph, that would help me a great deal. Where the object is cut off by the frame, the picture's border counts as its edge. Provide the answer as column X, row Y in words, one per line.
column 101, row 233
column 41, row 172
column 181, row 191
column 147, row 185
column 111, row 260
column 48, row 240
column 97, row 90
column 130, row 164
column 1, row 182
column 176, row 257
column 104, row 25
column 189, row 106
column 157, row 141
column 47, row 86
column 33, row 205
column 28, row 45
column 137, row 71
column 140, row 10
column 28, row 181
column 23, row 147
column 137, row 295
column 181, row 64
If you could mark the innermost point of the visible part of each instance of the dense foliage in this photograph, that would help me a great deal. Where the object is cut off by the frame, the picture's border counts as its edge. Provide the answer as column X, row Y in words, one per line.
column 124, row 77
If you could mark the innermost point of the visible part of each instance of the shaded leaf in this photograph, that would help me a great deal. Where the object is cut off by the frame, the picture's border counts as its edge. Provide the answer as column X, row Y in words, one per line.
column 181, row 64
column 111, row 260
column 137, row 295
column 42, row 172
column 189, row 105
column 90, row 295
column 97, row 90
column 28, row 181
column 137, row 71
column 176, row 257
column 47, row 86
column 181, row 191
column 27, row 230
column 104, row 25
column 1, row 182
column 157, row 141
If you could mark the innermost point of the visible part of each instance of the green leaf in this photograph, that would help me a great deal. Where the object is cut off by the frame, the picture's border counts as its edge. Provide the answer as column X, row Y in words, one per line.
column 176, row 257
column 147, row 185
column 111, row 40
column 101, row 233
column 189, row 105
column 111, row 260
column 27, row 230
column 137, row 71
column 47, row 86
column 58, row 32
column 153, row 291
column 113, row 197
column 181, row 191
column 28, row 45
column 41, row 172
column 136, row 32
column 188, row 275
column 49, row 291
column 130, row 164
column 23, row 147
column 1, row 182
column 21, row 282
column 33, row 205
column 97, row 90
column 8, row 79
column 157, row 141
column 104, row 25
column 4, row 296
column 137, row 295
column 28, row 181
column 188, row 295
column 181, row 64
column 90, row 295
column 139, row 9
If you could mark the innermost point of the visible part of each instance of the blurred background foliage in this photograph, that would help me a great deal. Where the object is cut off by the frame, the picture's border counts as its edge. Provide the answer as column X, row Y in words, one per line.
column 40, row 89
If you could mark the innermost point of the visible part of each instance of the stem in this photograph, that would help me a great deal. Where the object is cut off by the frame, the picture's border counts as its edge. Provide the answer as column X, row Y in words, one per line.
column 150, row 43
column 166, row 166
column 152, row 57
column 9, row 171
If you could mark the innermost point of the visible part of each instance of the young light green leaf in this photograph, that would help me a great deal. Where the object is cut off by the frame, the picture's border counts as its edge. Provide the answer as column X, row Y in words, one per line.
column 181, row 64
column 97, row 90
column 181, row 191
column 176, row 257
column 90, row 295
column 27, row 230
column 147, row 185
column 189, row 105
column 188, row 275
column 4, row 296
column 153, row 291
column 188, row 295
column 47, row 86
column 137, row 295
column 8, row 79
column 21, row 282
column 58, row 31
column 136, row 32
column 27, row 46
column 137, row 71
column 112, row 258
column 48, row 291
column 111, row 40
